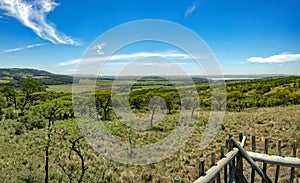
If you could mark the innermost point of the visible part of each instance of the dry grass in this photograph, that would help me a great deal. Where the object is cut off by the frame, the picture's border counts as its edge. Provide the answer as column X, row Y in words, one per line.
column 22, row 156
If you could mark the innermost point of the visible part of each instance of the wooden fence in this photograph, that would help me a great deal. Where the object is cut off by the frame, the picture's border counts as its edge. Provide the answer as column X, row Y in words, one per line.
column 231, row 167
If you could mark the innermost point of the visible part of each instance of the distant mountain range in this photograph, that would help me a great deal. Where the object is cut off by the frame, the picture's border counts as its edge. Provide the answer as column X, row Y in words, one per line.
column 15, row 77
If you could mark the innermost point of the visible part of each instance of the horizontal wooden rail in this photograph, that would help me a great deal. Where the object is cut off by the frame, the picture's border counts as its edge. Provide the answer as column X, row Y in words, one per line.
column 251, row 162
column 237, row 152
column 212, row 173
column 275, row 160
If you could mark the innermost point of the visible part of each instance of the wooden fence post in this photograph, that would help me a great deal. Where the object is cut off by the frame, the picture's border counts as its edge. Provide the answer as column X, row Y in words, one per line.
column 239, row 164
column 293, row 155
column 240, row 136
column 176, row 179
column 201, row 167
column 225, row 167
column 266, row 151
column 230, row 146
column 237, row 152
column 279, row 154
column 213, row 161
column 250, row 161
column 253, row 150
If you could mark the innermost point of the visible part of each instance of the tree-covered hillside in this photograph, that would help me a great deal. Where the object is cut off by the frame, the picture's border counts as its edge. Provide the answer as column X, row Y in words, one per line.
column 15, row 76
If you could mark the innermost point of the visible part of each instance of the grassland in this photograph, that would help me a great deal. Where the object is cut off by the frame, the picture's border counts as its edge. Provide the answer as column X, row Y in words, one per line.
column 22, row 151
column 84, row 85
column 22, row 155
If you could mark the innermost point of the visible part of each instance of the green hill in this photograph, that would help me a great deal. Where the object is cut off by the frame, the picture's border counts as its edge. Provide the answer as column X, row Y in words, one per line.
column 15, row 76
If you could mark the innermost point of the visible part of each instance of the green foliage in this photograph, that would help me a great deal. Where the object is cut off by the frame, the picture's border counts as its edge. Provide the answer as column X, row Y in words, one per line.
column 137, row 102
column 56, row 109
column 263, row 93
column 18, row 128
column 10, row 113
column 240, row 95
column 30, row 86
column 23, row 140
column 170, row 98
column 2, row 101
column 10, row 95
column 32, row 119
column 2, row 105
column 14, row 77
column 104, row 103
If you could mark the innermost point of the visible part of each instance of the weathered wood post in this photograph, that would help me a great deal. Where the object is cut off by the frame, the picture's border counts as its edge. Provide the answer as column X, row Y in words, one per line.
column 176, row 179
column 230, row 146
column 240, row 136
column 266, row 151
column 239, row 166
column 294, row 155
column 221, row 156
column 279, row 154
column 253, row 150
column 225, row 167
column 250, row 161
column 201, row 167
column 213, row 161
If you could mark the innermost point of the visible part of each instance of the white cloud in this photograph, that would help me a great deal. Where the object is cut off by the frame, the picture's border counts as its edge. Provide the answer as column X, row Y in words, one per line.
column 70, row 62
column 99, row 48
column 192, row 8
column 32, row 14
column 20, row 48
column 130, row 57
column 281, row 58
column 138, row 55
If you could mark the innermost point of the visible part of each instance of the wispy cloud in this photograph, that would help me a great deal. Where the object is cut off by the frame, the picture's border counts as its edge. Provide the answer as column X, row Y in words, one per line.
column 21, row 48
column 281, row 58
column 192, row 8
column 129, row 57
column 70, row 62
column 33, row 14
column 100, row 48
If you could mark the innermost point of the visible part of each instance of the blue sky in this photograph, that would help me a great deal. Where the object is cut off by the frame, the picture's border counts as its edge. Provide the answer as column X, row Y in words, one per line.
column 247, row 37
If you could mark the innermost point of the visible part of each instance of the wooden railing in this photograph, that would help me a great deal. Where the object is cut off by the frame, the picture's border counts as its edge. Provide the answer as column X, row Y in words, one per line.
column 231, row 167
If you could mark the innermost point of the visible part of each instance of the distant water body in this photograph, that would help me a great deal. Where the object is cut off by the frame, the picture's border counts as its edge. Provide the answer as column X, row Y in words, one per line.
column 227, row 79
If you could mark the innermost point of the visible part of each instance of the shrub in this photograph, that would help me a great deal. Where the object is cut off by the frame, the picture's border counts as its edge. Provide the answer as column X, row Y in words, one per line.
column 1, row 114
column 10, row 113
column 18, row 128
column 31, row 121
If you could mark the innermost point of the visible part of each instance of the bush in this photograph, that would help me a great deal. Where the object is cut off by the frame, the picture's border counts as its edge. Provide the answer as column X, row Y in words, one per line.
column 31, row 121
column 10, row 113
column 1, row 114
column 18, row 128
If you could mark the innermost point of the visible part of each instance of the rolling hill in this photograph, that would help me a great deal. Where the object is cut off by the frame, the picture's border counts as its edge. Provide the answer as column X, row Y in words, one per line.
column 15, row 76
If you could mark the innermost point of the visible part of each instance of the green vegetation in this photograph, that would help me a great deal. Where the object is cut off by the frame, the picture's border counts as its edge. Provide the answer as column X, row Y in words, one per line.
column 41, row 141
column 14, row 77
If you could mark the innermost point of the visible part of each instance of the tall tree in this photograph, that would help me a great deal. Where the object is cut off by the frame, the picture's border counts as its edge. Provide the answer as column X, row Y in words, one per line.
column 10, row 94
column 51, row 111
column 2, row 105
column 28, row 88
column 170, row 99
column 154, row 103
column 104, row 103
